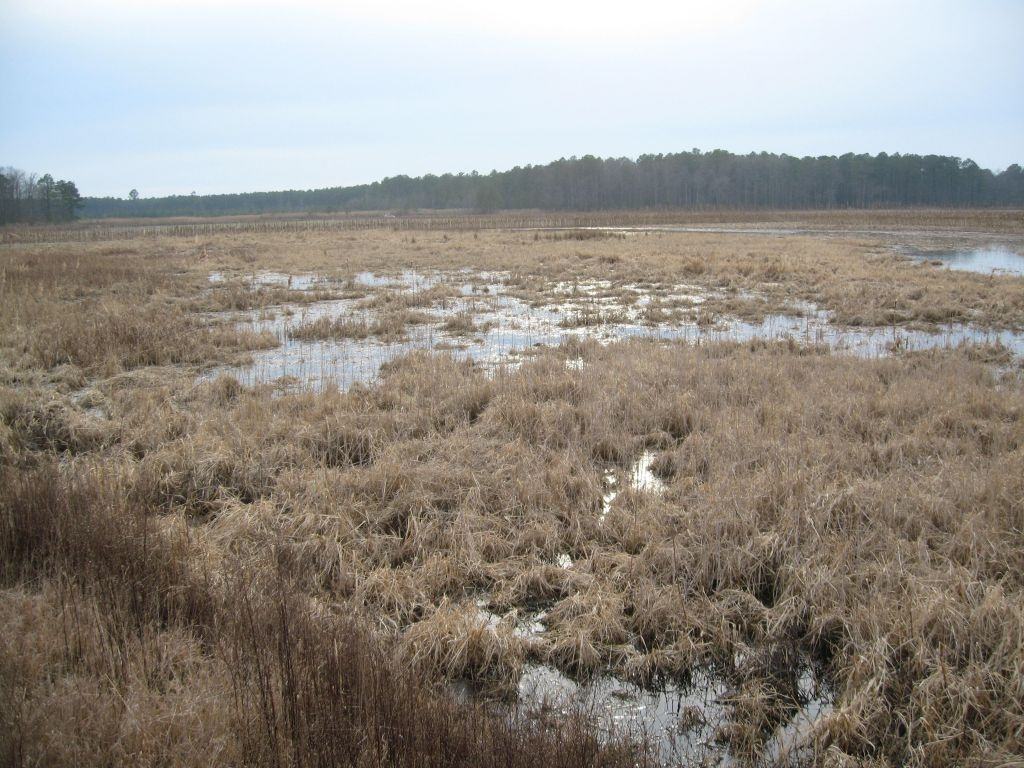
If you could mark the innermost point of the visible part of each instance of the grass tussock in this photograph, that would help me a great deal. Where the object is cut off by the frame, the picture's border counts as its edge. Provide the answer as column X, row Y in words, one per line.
column 389, row 326
column 581, row 235
column 463, row 324
column 455, row 641
column 591, row 316
column 397, row 300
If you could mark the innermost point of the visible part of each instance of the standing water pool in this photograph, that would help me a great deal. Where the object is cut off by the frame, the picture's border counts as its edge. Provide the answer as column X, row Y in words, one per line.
column 998, row 260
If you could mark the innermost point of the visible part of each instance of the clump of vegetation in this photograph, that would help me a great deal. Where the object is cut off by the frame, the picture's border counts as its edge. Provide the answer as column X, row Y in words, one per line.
column 389, row 326
column 331, row 328
column 456, row 642
column 588, row 316
column 392, row 299
column 463, row 324
column 244, row 296
column 127, row 337
column 583, row 234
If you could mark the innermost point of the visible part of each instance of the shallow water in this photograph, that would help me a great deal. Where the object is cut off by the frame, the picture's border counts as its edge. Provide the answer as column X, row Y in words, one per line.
column 509, row 328
column 897, row 236
column 642, row 478
column 997, row 260
column 523, row 625
column 682, row 722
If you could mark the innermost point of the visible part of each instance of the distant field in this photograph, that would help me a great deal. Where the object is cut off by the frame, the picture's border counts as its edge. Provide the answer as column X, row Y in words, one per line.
column 512, row 490
column 974, row 220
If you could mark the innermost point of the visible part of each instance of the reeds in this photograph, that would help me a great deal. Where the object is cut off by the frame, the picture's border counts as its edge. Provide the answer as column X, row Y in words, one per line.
column 159, row 662
column 388, row 326
column 463, row 324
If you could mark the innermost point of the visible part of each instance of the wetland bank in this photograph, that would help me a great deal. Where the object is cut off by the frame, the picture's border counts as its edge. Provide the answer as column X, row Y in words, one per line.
column 477, row 496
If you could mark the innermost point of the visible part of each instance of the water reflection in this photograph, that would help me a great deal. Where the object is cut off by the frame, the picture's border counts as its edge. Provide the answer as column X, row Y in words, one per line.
column 990, row 260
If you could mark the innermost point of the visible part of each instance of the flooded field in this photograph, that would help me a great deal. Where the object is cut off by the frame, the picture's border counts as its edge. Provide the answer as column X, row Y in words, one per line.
column 489, row 318
column 499, row 319
column 649, row 498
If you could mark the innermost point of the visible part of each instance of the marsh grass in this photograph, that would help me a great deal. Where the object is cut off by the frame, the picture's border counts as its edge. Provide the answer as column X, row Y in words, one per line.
column 463, row 324
column 795, row 524
column 107, row 312
column 302, row 226
column 584, row 317
column 391, row 299
column 122, row 337
column 244, row 296
column 201, row 572
column 160, row 662
column 580, row 234
column 858, row 279
column 388, row 326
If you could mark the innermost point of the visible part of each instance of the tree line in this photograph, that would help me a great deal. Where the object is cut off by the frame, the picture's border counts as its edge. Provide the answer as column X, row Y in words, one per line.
column 26, row 198
column 690, row 180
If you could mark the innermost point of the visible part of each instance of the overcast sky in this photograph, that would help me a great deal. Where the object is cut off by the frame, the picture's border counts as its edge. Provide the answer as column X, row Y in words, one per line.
column 172, row 96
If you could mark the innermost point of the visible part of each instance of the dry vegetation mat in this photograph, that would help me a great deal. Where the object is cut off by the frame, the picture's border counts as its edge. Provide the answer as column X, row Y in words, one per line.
column 819, row 555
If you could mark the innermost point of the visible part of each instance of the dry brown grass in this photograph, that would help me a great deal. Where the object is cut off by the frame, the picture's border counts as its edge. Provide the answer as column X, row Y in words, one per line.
column 240, row 295
column 463, row 324
column 122, row 337
column 188, row 566
column 573, row 225
column 120, row 648
column 855, row 277
column 865, row 515
column 387, row 326
column 397, row 300
column 108, row 311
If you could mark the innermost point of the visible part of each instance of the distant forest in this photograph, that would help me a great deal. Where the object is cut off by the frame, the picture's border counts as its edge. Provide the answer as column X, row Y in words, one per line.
column 688, row 180
column 26, row 198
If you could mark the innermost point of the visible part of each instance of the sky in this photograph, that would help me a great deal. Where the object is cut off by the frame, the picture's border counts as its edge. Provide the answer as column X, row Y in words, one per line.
column 175, row 96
